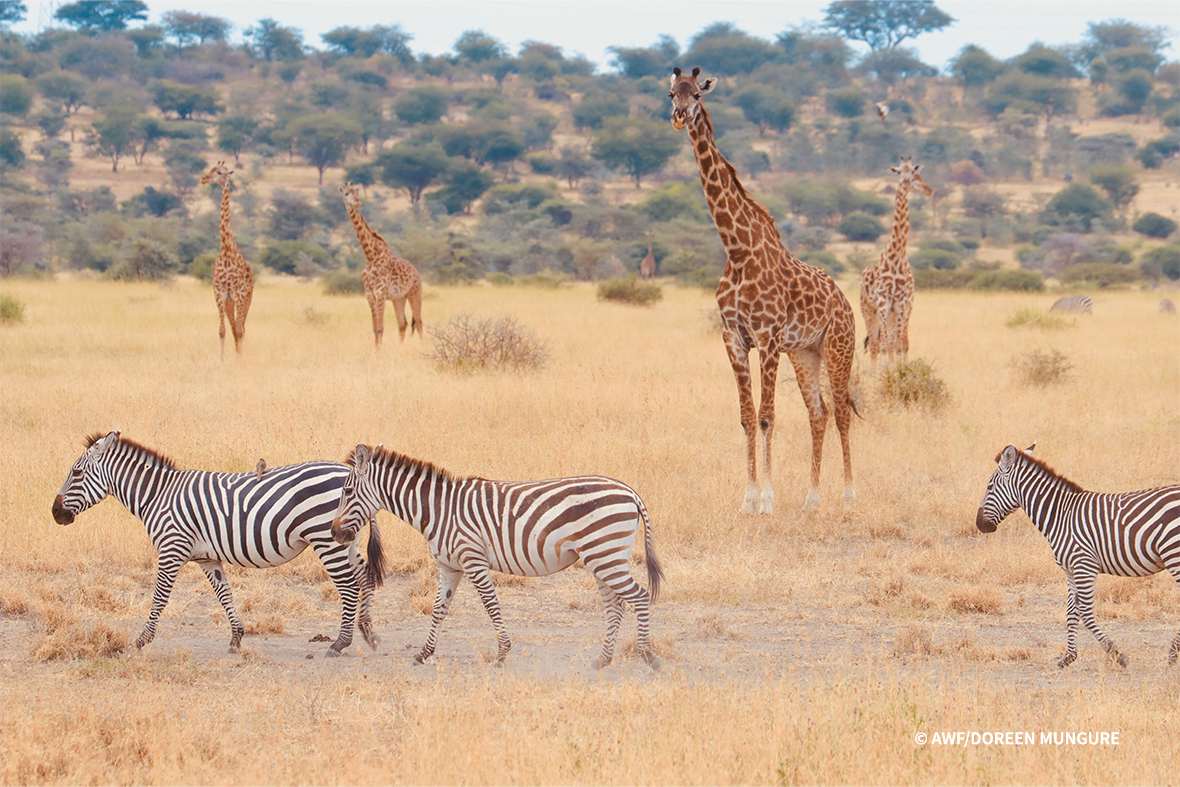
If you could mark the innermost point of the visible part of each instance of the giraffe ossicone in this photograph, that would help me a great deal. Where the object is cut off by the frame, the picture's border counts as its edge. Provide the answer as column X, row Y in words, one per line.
column 772, row 302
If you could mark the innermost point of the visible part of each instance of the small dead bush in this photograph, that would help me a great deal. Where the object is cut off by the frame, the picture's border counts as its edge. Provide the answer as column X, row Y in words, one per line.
column 914, row 640
column 1042, row 367
column 314, row 317
column 914, row 384
column 977, row 600
column 628, row 289
column 1033, row 318
column 63, row 636
column 269, row 623
column 468, row 344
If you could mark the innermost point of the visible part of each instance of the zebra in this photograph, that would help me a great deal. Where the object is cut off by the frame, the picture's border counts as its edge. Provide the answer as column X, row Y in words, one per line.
column 1074, row 303
column 531, row 528
column 1132, row 534
column 243, row 519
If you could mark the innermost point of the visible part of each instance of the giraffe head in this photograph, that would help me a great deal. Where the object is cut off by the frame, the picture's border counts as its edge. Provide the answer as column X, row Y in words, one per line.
column 649, row 234
column 909, row 178
column 219, row 174
column 351, row 193
column 686, row 95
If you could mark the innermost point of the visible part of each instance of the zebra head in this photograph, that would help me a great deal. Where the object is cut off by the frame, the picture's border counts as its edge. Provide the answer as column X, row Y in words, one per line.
column 1002, row 496
column 359, row 499
column 88, row 482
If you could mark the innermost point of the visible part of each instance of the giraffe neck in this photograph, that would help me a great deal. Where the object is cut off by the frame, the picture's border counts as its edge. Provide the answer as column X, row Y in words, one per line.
column 227, row 237
column 649, row 247
column 364, row 233
column 734, row 212
column 894, row 257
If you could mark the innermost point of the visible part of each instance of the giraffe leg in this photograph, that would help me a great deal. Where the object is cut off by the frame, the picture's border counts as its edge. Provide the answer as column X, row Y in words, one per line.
column 769, row 386
column 377, row 307
column 739, row 359
column 868, row 308
column 222, row 304
column 243, row 298
column 808, row 368
column 839, row 349
column 415, row 298
column 905, row 308
column 399, row 308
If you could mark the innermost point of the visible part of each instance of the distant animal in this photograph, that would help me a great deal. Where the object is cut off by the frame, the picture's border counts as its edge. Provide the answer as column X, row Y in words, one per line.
column 772, row 302
column 882, row 110
column 385, row 275
column 233, row 279
column 1133, row 534
column 531, row 528
column 1167, row 307
column 887, row 286
column 260, row 468
column 647, row 268
column 1073, row 303
column 236, row 518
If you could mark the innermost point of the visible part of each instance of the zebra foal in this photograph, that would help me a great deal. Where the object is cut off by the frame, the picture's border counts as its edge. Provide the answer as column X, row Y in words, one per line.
column 244, row 519
column 531, row 528
column 1132, row 534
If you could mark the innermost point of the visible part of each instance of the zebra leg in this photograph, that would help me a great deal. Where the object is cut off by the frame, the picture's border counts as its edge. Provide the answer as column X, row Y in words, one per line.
column 478, row 572
column 216, row 576
column 1071, row 625
column 168, row 566
column 1085, row 596
column 637, row 597
column 448, row 580
column 614, row 617
column 1174, row 651
column 365, row 614
column 335, row 558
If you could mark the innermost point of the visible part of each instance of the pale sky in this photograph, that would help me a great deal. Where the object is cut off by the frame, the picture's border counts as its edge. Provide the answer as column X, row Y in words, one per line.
column 1003, row 27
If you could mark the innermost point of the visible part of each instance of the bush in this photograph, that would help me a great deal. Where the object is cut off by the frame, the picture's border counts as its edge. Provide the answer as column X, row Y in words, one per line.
column 861, row 227
column 939, row 259
column 467, row 344
column 202, row 266
column 914, row 384
column 846, row 102
column 545, row 280
column 281, row 256
column 1103, row 274
column 1019, row 281
column 944, row 280
column 12, row 309
column 500, row 279
column 1161, row 260
column 1034, row 318
column 628, row 289
column 1153, row 225
column 343, row 283
column 1041, row 367
column 823, row 259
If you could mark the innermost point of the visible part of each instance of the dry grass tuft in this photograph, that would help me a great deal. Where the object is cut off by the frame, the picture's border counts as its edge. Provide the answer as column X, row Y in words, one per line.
column 913, row 640
column 979, row 600
column 914, row 384
column 1041, row 367
column 628, row 289
column 265, row 624
column 467, row 344
column 1034, row 318
column 63, row 636
column 424, row 589
column 314, row 317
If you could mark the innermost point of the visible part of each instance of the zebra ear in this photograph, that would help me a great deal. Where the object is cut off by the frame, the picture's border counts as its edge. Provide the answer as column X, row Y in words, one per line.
column 360, row 458
column 1008, row 458
column 1029, row 450
column 102, row 445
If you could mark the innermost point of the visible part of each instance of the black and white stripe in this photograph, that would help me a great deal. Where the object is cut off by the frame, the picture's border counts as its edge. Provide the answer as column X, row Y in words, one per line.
column 245, row 519
column 1133, row 534
column 532, row 528
column 1073, row 303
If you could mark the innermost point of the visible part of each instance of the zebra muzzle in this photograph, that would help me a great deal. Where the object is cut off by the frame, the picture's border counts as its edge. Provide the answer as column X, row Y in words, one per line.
column 342, row 535
column 983, row 523
column 60, row 514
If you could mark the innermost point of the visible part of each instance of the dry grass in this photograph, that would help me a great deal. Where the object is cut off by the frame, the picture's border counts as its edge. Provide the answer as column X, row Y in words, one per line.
column 646, row 397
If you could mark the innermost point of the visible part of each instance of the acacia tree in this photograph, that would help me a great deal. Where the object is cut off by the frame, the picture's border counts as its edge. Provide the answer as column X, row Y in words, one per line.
column 884, row 24
column 114, row 134
column 187, row 28
column 101, row 16
column 324, row 139
column 412, row 167
column 638, row 147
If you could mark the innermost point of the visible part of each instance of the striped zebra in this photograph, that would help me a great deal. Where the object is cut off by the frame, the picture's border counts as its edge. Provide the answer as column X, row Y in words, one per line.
column 532, row 528
column 1132, row 534
column 1074, row 303
column 244, row 519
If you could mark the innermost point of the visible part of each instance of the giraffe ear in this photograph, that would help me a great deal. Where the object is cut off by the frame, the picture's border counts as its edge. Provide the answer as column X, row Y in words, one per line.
column 707, row 85
column 895, row 170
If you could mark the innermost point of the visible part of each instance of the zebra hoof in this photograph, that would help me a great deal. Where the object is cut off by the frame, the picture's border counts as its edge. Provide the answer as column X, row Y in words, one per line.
column 601, row 663
column 419, row 659
column 1122, row 660
column 332, row 654
column 654, row 662
column 1066, row 660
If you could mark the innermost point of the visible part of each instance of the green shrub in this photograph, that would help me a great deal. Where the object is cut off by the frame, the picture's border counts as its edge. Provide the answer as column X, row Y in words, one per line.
column 501, row 279
column 1041, row 367
column 202, row 266
column 545, row 280
column 628, row 289
column 944, row 280
column 343, row 282
column 1153, row 225
column 823, row 259
column 467, row 344
column 543, row 163
column 914, row 384
column 281, row 256
column 1034, row 318
column 1163, row 260
column 939, row 259
column 12, row 309
column 1103, row 274
column 860, row 227
column 1020, row 281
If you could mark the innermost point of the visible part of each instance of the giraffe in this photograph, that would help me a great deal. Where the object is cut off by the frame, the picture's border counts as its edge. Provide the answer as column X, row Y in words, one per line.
column 887, row 287
column 647, row 268
column 772, row 302
column 385, row 275
column 233, row 280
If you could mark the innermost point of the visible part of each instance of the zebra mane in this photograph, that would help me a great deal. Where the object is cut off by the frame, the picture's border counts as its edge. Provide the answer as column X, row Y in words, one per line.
column 142, row 450
column 386, row 456
column 1072, row 486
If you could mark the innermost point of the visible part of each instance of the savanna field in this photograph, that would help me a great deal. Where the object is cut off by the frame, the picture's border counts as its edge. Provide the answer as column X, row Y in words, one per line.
column 796, row 649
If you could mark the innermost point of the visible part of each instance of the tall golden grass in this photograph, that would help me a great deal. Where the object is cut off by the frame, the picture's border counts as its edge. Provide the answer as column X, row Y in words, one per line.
column 646, row 396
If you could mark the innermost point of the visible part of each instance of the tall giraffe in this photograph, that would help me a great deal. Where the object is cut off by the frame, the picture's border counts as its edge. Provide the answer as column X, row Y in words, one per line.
column 233, row 280
column 772, row 302
column 385, row 275
column 647, row 268
column 887, row 287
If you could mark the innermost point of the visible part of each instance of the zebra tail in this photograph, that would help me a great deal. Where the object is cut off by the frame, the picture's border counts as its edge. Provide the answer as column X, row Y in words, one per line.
column 655, row 572
column 375, row 569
